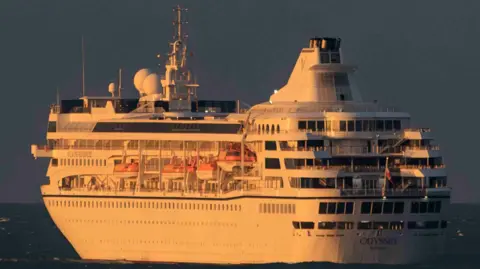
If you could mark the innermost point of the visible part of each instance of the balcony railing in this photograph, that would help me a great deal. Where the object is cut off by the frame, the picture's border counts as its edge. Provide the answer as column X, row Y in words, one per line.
column 380, row 192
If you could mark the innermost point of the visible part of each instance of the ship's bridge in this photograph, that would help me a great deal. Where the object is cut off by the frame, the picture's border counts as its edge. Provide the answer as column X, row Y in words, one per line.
column 319, row 75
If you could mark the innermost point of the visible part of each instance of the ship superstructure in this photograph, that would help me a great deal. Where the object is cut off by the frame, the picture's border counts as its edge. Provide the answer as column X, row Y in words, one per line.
column 314, row 174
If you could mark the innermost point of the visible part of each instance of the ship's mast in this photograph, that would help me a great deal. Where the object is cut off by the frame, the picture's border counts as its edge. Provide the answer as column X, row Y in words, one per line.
column 177, row 83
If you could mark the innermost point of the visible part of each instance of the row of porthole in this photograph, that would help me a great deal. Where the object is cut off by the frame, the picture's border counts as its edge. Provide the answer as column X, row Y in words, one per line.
column 80, row 162
column 169, row 242
column 277, row 208
column 155, row 222
column 265, row 128
column 150, row 205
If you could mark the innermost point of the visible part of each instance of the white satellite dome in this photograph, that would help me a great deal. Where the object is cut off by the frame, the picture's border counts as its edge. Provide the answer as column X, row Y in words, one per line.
column 151, row 84
column 140, row 77
column 111, row 88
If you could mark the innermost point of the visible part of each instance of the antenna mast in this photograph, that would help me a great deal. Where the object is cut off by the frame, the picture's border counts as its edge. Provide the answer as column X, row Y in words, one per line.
column 83, row 68
column 120, row 83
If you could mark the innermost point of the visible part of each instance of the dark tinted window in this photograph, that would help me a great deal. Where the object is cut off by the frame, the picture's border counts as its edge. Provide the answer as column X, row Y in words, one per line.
column 379, row 125
column 349, row 208
column 388, row 125
column 323, row 208
column 270, row 145
column 415, row 207
column 331, row 208
column 366, row 207
column 381, row 225
column 350, row 126
column 397, row 125
column 423, row 207
column 364, row 225
column 377, row 208
column 358, row 125
column 320, row 125
column 341, row 208
column 302, row 125
column 398, row 209
column 307, row 225
column 296, row 224
column 431, row 207
column 272, row 163
column 438, row 206
column 343, row 126
column 388, row 208
column 327, row 225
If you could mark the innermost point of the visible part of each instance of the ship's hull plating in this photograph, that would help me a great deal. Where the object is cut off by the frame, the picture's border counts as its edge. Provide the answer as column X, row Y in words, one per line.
column 228, row 232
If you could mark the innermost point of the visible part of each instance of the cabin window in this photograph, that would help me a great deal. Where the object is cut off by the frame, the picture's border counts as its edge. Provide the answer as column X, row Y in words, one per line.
column 358, row 125
column 272, row 163
column 344, row 225
column 350, row 126
column 324, row 58
column 377, row 208
column 302, row 125
column 335, row 57
column 388, row 208
column 307, row 225
column 270, row 145
column 327, row 225
column 364, row 225
column 366, row 206
column 54, row 162
column 320, row 125
column 399, row 208
column 343, row 126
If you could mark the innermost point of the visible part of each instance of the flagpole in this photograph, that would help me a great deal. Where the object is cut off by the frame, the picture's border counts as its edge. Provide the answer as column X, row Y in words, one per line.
column 385, row 178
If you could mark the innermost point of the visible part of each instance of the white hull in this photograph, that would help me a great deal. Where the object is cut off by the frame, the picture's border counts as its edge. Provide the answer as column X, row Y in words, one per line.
column 229, row 234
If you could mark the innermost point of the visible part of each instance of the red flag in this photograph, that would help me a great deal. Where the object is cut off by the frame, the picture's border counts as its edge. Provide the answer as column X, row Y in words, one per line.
column 388, row 175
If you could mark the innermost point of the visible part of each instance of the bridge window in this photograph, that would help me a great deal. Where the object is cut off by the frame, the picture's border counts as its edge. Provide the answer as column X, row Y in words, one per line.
column 343, row 126
column 388, row 125
column 397, row 125
column 379, row 125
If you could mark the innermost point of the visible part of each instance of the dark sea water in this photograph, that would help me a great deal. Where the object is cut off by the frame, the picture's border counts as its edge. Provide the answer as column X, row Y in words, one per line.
column 29, row 239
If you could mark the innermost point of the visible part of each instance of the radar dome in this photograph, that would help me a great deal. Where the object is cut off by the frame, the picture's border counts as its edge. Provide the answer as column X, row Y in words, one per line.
column 151, row 84
column 140, row 77
column 111, row 88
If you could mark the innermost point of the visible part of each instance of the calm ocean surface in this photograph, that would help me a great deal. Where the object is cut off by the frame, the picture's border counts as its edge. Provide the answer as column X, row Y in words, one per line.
column 29, row 239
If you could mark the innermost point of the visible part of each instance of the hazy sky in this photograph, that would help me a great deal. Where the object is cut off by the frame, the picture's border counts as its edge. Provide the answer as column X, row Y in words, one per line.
column 420, row 55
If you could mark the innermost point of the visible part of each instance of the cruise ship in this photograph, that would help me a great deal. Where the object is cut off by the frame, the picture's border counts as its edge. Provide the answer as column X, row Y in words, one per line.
column 314, row 174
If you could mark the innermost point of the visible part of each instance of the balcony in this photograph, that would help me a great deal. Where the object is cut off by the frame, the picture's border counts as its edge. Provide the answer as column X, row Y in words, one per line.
column 380, row 192
column 41, row 151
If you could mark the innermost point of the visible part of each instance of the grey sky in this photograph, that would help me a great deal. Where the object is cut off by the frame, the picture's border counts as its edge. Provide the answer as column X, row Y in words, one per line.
column 419, row 55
